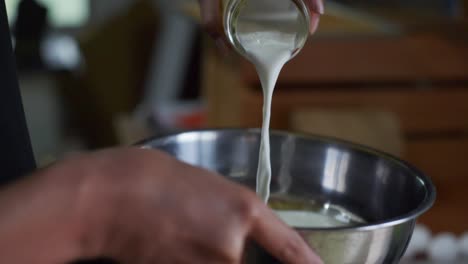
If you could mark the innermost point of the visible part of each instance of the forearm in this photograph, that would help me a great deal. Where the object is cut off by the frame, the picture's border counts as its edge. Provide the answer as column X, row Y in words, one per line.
column 37, row 221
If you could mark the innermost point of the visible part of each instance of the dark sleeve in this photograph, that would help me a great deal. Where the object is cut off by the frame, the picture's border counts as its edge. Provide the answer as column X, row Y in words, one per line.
column 16, row 156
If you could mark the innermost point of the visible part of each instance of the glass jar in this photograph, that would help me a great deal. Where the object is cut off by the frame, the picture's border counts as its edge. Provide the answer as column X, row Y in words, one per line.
column 285, row 17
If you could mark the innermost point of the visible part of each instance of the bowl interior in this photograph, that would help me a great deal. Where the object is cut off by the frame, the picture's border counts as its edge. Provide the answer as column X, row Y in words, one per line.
column 370, row 184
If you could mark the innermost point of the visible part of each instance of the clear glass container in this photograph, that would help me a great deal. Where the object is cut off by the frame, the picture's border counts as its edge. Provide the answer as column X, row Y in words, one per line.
column 286, row 17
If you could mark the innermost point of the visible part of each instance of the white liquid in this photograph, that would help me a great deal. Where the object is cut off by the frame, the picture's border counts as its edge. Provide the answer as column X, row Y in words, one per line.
column 305, row 219
column 269, row 39
column 268, row 33
column 268, row 51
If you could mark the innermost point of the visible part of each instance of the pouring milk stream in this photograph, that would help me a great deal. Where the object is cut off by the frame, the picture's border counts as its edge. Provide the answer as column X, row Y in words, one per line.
column 268, row 33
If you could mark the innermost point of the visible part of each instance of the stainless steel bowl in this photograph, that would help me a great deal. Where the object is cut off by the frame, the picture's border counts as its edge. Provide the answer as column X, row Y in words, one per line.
column 387, row 192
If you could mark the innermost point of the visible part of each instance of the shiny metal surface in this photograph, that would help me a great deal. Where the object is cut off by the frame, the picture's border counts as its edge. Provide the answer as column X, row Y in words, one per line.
column 388, row 193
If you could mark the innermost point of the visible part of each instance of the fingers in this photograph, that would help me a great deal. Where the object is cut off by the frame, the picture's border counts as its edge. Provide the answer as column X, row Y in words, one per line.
column 212, row 20
column 211, row 15
column 281, row 241
column 316, row 6
column 316, row 9
column 314, row 22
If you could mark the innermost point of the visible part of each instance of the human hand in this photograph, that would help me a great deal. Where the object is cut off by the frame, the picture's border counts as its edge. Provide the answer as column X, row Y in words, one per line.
column 212, row 17
column 142, row 206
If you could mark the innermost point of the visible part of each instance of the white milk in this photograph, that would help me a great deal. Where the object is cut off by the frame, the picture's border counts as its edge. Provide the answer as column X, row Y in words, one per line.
column 268, row 33
column 307, row 219
column 268, row 51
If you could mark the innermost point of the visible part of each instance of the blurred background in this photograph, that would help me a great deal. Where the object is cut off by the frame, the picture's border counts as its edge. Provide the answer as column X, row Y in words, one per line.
column 391, row 74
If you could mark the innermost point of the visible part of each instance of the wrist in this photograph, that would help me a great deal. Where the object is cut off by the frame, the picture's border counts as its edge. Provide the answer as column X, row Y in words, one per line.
column 37, row 222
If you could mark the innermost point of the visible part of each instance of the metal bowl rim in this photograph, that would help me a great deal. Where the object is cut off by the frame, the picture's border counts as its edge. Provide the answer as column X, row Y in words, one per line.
column 427, row 203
